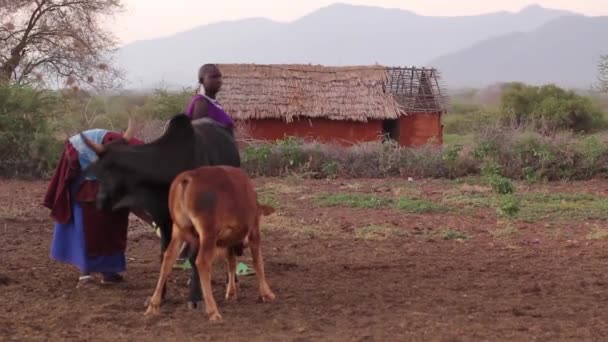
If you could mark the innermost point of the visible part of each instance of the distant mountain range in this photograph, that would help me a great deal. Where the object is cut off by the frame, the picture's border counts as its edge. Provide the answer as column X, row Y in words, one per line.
column 534, row 45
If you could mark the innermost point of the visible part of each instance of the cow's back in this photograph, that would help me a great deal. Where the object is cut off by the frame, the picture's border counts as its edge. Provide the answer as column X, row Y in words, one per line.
column 214, row 145
column 225, row 192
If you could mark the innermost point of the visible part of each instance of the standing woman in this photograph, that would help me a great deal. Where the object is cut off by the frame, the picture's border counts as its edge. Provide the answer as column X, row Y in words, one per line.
column 204, row 104
column 91, row 240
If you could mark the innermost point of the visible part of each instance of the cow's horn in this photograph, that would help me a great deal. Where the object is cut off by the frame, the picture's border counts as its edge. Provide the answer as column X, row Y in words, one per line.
column 97, row 148
column 130, row 130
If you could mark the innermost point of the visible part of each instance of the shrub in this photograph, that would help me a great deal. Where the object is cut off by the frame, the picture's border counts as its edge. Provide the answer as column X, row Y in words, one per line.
column 509, row 205
column 549, row 107
column 28, row 146
column 467, row 123
column 164, row 104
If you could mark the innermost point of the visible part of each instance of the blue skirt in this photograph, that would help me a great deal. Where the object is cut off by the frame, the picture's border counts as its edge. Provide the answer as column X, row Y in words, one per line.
column 69, row 245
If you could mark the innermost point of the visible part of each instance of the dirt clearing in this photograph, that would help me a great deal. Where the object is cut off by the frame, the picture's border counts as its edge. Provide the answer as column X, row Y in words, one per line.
column 348, row 260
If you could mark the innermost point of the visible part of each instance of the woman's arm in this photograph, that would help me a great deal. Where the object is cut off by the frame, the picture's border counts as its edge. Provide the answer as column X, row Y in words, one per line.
column 200, row 109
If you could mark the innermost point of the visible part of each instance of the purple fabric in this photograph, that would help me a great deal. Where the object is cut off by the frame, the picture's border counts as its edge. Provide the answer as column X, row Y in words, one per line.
column 214, row 111
column 69, row 244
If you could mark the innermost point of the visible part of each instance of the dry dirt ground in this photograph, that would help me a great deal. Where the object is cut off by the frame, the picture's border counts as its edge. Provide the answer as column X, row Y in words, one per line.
column 348, row 260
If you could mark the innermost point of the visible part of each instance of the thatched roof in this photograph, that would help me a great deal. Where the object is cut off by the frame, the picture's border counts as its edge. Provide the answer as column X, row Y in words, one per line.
column 311, row 91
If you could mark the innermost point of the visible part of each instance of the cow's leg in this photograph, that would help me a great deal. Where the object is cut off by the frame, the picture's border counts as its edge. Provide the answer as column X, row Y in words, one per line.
column 258, row 264
column 204, row 261
column 165, row 269
column 196, row 295
column 231, row 289
column 165, row 239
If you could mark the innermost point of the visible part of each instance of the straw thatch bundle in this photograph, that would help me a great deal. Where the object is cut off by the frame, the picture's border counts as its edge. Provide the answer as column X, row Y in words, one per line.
column 290, row 91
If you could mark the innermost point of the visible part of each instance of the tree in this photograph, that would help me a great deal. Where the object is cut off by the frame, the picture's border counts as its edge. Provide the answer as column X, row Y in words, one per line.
column 549, row 107
column 61, row 41
column 603, row 77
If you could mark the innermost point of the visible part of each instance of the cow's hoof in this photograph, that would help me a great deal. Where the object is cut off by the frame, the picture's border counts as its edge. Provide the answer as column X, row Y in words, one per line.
column 153, row 310
column 147, row 302
column 268, row 297
column 215, row 317
column 195, row 305
column 231, row 295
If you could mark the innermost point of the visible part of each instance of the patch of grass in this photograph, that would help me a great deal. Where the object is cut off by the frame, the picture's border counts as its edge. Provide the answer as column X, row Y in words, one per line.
column 298, row 228
column 266, row 196
column 354, row 201
column 509, row 205
column 504, row 231
column 380, row 232
column 467, row 201
column 501, row 185
column 458, row 139
column 419, row 206
column 598, row 234
column 469, row 181
column 558, row 206
column 451, row 234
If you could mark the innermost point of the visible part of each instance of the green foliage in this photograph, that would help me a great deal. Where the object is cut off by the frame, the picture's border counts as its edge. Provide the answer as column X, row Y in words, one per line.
column 27, row 144
column 603, row 73
column 354, row 201
column 549, row 107
column 591, row 151
column 451, row 234
column 563, row 206
column 501, row 185
column 450, row 156
column 330, row 169
column 164, row 104
column 509, row 205
column 467, row 123
column 418, row 206
column 380, row 232
column 291, row 149
column 34, row 124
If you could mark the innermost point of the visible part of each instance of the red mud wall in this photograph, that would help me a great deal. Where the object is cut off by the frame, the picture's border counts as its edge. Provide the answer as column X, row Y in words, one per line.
column 417, row 129
column 335, row 131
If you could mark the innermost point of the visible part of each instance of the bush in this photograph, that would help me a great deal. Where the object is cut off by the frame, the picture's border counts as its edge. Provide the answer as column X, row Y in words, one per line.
column 497, row 154
column 509, row 205
column 164, row 104
column 34, row 125
column 28, row 146
column 549, row 107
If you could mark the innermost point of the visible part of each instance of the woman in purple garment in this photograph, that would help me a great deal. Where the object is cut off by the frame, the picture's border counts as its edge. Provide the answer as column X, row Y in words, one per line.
column 204, row 104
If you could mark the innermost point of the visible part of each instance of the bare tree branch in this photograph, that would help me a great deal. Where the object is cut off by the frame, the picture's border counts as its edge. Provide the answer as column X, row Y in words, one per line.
column 57, row 40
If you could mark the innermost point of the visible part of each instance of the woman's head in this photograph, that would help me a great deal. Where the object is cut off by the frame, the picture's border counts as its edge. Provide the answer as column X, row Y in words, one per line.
column 210, row 77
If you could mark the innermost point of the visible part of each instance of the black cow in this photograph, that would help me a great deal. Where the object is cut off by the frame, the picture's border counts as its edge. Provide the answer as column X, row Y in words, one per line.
column 139, row 177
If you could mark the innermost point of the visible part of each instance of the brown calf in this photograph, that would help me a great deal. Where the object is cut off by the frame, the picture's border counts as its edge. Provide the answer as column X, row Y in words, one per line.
column 214, row 208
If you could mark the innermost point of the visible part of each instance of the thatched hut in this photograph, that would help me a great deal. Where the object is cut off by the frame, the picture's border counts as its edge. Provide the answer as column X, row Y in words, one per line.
column 346, row 105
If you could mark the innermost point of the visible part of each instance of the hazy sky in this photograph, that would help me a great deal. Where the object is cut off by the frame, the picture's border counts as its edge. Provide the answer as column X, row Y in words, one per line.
column 145, row 19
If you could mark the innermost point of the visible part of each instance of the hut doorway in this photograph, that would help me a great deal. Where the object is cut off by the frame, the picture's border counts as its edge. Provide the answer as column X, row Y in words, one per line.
column 390, row 130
